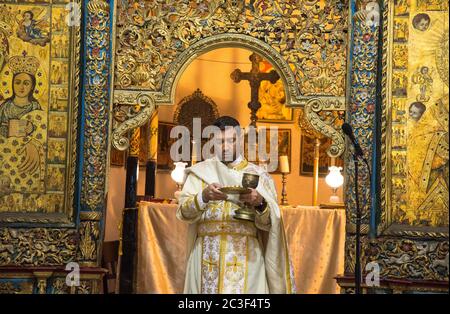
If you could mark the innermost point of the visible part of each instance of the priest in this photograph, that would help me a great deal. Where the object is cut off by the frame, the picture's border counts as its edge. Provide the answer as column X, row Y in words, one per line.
column 225, row 254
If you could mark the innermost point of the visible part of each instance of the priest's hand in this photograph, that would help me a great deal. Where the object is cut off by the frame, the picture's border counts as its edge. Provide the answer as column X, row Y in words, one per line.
column 252, row 199
column 212, row 193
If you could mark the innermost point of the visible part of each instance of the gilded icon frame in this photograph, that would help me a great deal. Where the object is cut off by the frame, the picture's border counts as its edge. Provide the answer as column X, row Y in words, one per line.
column 66, row 218
column 386, row 224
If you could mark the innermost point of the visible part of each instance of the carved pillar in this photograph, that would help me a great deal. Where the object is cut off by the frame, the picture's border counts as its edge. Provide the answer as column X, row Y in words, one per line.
column 361, row 111
column 360, row 114
column 139, row 108
column 129, row 219
column 96, row 99
column 132, row 170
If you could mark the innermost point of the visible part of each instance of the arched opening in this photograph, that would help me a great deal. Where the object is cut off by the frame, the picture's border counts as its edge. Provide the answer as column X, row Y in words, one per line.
column 210, row 72
column 237, row 41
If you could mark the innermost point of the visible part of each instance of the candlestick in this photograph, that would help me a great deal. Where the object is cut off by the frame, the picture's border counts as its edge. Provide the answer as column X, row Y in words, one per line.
column 284, row 168
column 283, row 191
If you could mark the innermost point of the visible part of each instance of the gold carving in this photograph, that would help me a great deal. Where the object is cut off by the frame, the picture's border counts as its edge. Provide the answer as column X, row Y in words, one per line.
column 98, row 7
column 134, row 143
column 9, row 287
column 89, row 234
column 323, row 118
column 37, row 246
column 127, row 118
column 293, row 95
column 156, row 42
column 233, row 9
column 176, row 27
column 131, row 111
column 59, row 286
column 153, row 142
column 196, row 105
column 85, row 287
column 402, row 258
column 52, row 64
column 91, row 216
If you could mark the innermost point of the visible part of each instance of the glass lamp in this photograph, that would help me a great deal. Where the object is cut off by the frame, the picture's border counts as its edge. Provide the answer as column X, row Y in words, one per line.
column 334, row 179
column 178, row 175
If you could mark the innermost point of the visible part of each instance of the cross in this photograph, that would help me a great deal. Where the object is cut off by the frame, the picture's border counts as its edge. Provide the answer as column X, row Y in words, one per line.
column 254, row 77
column 210, row 263
column 235, row 264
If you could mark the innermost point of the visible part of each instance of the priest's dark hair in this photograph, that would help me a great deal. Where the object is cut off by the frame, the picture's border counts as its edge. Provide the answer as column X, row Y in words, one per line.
column 224, row 121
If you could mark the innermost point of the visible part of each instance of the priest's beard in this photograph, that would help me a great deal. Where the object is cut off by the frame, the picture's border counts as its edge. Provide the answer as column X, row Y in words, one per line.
column 228, row 156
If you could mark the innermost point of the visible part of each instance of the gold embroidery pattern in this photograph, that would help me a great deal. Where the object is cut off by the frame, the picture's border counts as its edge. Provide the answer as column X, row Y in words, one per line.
column 224, row 249
column 190, row 208
column 234, row 265
column 197, row 205
column 211, row 228
column 240, row 166
column 214, row 211
column 210, row 265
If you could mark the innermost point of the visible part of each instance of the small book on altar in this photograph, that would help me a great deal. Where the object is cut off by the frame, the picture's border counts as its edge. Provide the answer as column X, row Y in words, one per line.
column 17, row 128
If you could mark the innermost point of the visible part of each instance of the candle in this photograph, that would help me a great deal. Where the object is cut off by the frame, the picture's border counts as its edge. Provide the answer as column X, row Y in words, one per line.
column 284, row 164
column 194, row 152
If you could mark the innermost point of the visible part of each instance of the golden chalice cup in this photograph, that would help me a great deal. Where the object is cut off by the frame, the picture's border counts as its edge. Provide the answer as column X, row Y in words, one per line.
column 249, row 181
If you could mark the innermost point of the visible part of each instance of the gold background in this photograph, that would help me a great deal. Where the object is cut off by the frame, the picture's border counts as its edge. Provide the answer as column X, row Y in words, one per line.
column 419, row 146
column 41, row 188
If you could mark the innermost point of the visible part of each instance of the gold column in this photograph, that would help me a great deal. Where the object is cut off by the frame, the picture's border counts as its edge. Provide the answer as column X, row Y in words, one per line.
column 134, row 142
column 153, row 142
column 152, row 156
column 316, row 170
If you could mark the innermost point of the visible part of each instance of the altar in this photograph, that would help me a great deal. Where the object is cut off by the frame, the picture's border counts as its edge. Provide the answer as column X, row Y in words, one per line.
column 316, row 238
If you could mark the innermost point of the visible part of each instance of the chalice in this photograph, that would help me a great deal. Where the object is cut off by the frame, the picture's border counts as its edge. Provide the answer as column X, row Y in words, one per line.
column 249, row 181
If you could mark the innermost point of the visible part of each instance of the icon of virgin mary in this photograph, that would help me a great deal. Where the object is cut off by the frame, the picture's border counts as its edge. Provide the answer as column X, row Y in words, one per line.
column 22, row 129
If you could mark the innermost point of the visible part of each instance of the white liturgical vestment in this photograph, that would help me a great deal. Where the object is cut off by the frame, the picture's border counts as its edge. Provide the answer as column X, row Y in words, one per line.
column 226, row 255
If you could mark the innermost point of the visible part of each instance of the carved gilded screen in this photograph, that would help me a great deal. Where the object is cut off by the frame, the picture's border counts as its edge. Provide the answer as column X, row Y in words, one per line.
column 415, row 118
column 38, row 111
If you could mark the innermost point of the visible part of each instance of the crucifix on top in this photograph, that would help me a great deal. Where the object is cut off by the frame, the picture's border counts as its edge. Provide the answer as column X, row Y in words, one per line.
column 254, row 77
